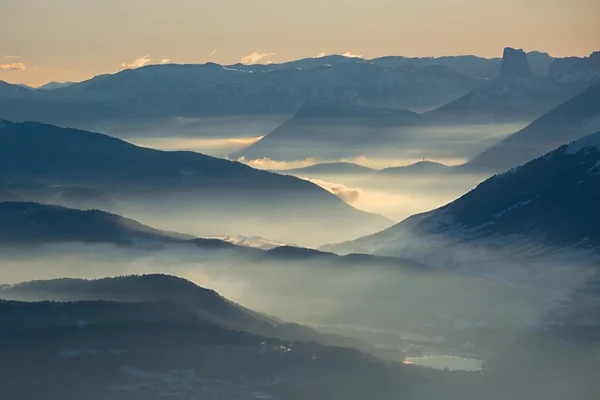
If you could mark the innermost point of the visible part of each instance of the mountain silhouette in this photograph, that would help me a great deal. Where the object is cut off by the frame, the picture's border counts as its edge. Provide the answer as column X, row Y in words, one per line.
column 569, row 121
column 332, row 130
column 257, row 202
column 515, row 95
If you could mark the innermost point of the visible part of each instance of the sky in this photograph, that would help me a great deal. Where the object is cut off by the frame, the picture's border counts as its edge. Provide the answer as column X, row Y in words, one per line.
column 73, row 40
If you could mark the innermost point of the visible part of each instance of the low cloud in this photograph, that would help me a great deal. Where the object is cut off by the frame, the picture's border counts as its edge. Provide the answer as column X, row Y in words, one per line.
column 255, row 57
column 12, row 67
column 165, row 60
column 138, row 62
column 321, row 55
column 12, row 56
column 277, row 165
column 348, row 194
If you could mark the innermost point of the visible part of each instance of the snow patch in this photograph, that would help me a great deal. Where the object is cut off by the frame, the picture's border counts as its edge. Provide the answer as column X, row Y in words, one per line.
column 588, row 142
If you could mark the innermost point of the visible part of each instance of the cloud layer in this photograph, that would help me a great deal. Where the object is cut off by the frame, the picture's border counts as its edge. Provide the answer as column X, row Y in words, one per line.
column 348, row 194
column 277, row 165
column 255, row 57
column 138, row 62
column 12, row 67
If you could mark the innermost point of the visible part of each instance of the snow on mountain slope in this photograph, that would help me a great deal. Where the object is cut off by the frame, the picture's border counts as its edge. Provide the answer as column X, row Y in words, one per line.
column 576, row 69
column 545, row 211
column 572, row 120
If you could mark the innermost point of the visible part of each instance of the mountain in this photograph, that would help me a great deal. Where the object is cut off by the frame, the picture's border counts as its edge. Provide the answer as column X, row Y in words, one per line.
column 479, row 67
column 515, row 95
column 9, row 90
column 514, row 63
column 55, row 85
column 30, row 223
column 161, row 335
column 544, row 210
column 211, row 89
column 569, row 121
column 332, row 168
column 418, row 168
column 305, row 63
column 165, row 188
column 330, row 131
column 576, row 70
column 418, row 177
column 167, row 91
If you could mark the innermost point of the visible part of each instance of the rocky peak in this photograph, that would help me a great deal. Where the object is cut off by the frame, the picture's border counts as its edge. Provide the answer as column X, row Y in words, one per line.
column 514, row 63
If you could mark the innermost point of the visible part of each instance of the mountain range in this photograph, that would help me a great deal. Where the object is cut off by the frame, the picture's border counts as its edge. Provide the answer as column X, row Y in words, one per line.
column 516, row 94
column 167, row 91
column 172, row 184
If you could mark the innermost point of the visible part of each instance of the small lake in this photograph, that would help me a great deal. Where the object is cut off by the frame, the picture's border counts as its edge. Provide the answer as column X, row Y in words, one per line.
column 453, row 363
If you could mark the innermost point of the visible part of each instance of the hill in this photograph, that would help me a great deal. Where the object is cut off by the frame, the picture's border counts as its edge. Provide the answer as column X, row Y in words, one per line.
column 182, row 345
column 149, row 182
column 331, row 168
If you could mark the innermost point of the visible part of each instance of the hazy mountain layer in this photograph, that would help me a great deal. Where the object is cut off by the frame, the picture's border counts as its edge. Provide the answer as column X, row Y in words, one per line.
column 225, row 197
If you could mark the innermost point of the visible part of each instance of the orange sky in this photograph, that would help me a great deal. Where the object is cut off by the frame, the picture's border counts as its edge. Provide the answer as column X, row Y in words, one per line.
column 46, row 40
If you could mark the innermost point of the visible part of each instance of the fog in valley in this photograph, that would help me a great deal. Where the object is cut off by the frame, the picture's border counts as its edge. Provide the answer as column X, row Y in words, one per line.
column 193, row 223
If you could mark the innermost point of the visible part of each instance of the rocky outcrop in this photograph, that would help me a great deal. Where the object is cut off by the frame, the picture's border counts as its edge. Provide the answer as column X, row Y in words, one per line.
column 514, row 63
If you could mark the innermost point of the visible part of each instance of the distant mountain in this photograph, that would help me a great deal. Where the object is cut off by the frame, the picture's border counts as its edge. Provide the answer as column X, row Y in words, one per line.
column 9, row 90
column 69, row 196
column 55, row 85
column 332, row 130
column 332, row 168
column 305, row 63
column 421, row 167
column 576, row 70
column 515, row 95
column 167, row 186
column 543, row 210
column 569, row 121
column 256, row 242
column 488, row 68
column 32, row 223
column 166, row 91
